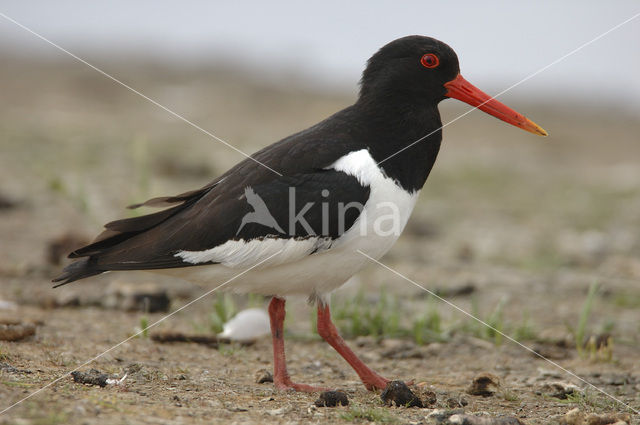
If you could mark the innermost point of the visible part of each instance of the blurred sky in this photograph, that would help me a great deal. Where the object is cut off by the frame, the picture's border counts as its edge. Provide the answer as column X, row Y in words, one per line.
column 328, row 42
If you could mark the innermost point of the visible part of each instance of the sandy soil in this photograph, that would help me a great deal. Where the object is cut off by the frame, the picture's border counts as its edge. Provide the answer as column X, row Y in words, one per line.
column 527, row 224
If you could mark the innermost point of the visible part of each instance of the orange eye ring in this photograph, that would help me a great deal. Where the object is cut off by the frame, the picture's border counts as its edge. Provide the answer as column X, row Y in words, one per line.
column 429, row 60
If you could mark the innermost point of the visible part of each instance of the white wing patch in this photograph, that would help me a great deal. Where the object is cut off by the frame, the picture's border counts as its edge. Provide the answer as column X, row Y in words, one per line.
column 361, row 165
column 242, row 253
column 295, row 270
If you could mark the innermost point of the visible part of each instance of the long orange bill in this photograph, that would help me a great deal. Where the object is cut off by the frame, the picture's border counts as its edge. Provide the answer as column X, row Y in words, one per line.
column 461, row 89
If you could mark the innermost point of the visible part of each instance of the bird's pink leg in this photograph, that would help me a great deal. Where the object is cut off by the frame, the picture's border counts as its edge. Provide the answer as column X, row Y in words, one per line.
column 329, row 333
column 281, row 378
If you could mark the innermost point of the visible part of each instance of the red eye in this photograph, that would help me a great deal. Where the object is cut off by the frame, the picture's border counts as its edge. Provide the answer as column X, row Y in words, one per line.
column 429, row 60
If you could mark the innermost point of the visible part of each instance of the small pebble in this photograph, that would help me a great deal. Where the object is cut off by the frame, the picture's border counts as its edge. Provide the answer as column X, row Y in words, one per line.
column 7, row 203
column 463, row 419
column 456, row 402
column 441, row 416
column 6, row 367
column 428, row 397
column 93, row 377
column 263, row 375
column 16, row 332
column 8, row 305
column 397, row 393
column 559, row 389
column 484, row 384
column 577, row 417
column 332, row 399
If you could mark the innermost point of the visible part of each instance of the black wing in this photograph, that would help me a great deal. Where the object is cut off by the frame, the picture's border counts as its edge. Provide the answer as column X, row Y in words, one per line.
column 227, row 209
column 324, row 204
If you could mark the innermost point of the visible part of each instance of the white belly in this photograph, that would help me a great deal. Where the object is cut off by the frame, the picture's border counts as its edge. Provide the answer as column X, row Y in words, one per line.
column 293, row 270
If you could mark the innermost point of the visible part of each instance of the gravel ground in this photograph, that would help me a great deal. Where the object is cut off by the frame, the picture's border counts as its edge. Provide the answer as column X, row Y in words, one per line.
column 510, row 227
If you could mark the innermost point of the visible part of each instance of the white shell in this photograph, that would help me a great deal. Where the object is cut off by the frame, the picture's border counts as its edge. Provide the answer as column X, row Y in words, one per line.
column 247, row 325
column 8, row 305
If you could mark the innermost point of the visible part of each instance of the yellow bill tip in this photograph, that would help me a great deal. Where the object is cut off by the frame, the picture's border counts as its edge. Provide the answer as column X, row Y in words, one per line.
column 535, row 128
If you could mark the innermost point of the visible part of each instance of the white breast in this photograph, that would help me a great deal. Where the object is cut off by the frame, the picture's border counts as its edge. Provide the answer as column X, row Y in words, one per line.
column 388, row 208
column 294, row 270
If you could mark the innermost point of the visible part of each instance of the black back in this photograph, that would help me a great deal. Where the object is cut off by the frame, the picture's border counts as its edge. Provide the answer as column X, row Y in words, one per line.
column 397, row 105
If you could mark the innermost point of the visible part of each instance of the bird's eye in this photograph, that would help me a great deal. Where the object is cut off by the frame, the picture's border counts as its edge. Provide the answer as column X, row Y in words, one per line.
column 429, row 60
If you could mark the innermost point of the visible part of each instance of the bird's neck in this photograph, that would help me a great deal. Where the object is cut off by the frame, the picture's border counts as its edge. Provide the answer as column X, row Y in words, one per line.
column 403, row 138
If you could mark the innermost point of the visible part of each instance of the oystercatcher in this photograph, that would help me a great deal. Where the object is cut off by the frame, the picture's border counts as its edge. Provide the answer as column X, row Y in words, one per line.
column 296, row 213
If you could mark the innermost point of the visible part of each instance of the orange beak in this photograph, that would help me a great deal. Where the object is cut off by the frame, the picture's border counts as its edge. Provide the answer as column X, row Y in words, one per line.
column 461, row 89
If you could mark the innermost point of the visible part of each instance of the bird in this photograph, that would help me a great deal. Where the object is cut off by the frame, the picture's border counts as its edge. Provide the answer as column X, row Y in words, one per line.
column 296, row 217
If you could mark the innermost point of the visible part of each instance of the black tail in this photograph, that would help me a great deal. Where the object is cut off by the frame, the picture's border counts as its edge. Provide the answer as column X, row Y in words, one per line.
column 121, row 230
column 77, row 270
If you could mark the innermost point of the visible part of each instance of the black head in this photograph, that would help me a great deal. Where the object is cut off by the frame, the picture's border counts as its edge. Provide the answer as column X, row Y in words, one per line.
column 418, row 72
column 413, row 68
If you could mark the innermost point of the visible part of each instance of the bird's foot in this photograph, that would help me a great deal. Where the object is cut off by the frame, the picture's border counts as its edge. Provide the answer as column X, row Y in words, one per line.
column 288, row 385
